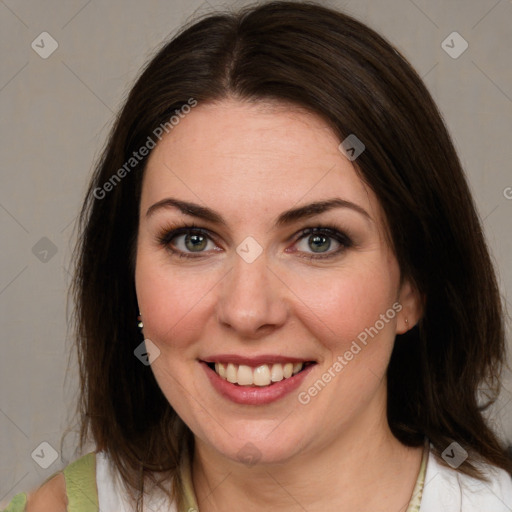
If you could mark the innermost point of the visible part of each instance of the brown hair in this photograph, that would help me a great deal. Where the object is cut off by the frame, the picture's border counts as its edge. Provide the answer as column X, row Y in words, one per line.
column 336, row 67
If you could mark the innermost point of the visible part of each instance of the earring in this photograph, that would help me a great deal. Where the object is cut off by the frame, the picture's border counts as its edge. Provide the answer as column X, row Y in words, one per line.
column 140, row 324
column 407, row 322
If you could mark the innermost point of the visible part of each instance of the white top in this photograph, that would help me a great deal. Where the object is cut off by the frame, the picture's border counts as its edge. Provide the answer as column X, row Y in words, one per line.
column 445, row 490
column 448, row 490
column 111, row 495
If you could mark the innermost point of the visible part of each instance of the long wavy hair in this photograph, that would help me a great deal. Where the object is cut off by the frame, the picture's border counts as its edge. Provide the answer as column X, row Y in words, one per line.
column 338, row 68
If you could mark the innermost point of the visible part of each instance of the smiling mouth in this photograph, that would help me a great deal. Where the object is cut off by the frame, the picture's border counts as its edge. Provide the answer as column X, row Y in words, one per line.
column 262, row 375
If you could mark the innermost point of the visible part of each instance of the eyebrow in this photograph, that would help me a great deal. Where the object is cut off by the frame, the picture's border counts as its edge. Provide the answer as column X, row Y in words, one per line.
column 285, row 218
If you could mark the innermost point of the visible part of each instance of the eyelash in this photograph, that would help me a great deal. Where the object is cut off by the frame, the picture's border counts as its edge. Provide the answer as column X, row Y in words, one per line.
column 167, row 235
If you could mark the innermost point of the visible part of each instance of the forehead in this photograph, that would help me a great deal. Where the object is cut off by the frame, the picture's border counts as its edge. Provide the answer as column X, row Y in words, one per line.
column 242, row 157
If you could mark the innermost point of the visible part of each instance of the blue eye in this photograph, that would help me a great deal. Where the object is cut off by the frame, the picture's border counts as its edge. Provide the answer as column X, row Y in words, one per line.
column 319, row 241
column 192, row 242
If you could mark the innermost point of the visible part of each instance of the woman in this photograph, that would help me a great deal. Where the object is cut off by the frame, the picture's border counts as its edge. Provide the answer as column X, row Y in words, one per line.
column 284, row 295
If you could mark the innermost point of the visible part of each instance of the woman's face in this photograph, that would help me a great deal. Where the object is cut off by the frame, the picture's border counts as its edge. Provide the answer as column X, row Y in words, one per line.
column 252, row 291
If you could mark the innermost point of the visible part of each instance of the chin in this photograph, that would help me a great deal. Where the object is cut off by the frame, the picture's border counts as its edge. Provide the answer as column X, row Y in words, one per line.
column 258, row 447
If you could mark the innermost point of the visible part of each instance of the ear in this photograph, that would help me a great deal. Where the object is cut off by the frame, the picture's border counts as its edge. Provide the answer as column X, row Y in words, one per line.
column 412, row 307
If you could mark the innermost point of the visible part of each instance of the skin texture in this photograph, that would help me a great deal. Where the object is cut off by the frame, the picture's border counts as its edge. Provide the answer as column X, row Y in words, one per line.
column 50, row 496
column 250, row 163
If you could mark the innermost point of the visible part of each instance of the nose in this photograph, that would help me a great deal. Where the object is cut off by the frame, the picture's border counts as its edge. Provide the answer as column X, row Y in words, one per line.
column 252, row 299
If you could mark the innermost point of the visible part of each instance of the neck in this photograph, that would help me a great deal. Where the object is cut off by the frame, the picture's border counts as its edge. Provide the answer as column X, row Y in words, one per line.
column 360, row 469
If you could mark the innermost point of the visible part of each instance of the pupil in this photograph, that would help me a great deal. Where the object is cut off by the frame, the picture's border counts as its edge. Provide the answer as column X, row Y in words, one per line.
column 321, row 242
column 198, row 242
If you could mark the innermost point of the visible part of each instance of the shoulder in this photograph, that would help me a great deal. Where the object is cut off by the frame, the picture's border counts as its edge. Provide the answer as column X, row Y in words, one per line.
column 74, row 487
column 49, row 496
column 495, row 494
column 450, row 490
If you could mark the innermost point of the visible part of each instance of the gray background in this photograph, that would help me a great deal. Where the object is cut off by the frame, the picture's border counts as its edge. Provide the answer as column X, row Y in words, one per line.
column 55, row 116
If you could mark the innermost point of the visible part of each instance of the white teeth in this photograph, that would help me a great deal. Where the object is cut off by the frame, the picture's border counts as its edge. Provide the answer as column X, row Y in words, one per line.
column 277, row 372
column 244, row 375
column 297, row 367
column 220, row 369
column 263, row 375
column 231, row 373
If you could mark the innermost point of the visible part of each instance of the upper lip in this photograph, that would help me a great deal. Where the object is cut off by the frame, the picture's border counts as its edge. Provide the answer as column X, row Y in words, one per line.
column 254, row 360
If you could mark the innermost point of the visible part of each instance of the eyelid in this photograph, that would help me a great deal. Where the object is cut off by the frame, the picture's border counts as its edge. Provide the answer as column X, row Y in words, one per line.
column 166, row 234
column 328, row 229
column 333, row 232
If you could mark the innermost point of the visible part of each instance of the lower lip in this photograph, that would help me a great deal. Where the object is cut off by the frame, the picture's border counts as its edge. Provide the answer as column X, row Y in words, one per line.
column 256, row 395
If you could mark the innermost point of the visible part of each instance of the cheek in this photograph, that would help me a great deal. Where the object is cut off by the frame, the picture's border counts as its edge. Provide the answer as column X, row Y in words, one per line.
column 171, row 300
column 355, row 322
column 172, row 304
column 351, row 304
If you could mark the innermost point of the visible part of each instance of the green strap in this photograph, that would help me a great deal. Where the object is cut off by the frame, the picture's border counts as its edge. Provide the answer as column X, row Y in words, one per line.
column 81, row 487
column 189, row 503
column 19, row 501
column 17, row 504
